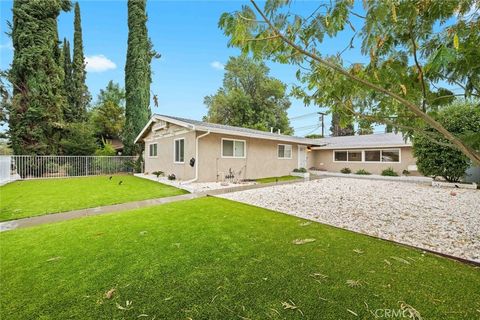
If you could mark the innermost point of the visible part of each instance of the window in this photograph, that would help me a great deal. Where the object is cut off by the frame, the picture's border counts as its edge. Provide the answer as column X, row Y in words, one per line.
column 284, row 151
column 152, row 150
column 372, row 156
column 390, row 155
column 179, row 151
column 233, row 148
column 340, row 155
column 350, row 156
column 354, row 156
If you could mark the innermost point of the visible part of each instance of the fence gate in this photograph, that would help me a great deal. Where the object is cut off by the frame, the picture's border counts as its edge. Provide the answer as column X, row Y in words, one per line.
column 5, row 165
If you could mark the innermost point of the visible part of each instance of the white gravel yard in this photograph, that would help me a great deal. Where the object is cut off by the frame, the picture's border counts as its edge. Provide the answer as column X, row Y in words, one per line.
column 439, row 219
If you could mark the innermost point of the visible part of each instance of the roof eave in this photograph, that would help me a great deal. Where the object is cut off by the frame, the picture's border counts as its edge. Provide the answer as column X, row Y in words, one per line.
column 363, row 147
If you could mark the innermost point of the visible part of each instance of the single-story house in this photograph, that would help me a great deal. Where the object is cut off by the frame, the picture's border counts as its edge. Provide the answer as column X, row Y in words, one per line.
column 201, row 151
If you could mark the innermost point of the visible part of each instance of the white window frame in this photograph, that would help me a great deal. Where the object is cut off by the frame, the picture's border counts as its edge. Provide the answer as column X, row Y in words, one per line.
column 175, row 151
column 285, row 146
column 151, row 144
column 234, row 140
column 363, row 155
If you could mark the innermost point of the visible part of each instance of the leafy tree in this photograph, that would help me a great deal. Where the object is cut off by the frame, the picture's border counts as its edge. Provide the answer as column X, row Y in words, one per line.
column 80, row 95
column 108, row 116
column 313, row 136
column 67, row 81
column 249, row 98
column 341, row 129
column 411, row 47
column 364, row 127
column 439, row 159
column 79, row 140
column 137, row 75
column 36, row 112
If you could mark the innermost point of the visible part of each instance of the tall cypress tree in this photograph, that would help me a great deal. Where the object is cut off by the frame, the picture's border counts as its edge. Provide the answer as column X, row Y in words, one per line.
column 81, row 96
column 36, row 112
column 66, row 60
column 137, row 75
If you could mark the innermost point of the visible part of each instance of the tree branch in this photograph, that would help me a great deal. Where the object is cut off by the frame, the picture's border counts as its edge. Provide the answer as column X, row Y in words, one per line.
column 420, row 72
column 465, row 149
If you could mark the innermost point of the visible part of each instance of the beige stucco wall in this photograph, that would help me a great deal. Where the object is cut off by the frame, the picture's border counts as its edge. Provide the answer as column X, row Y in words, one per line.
column 323, row 159
column 261, row 159
column 165, row 146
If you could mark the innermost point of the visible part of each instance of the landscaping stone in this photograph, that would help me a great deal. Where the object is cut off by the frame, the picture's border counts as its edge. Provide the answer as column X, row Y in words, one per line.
column 413, row 214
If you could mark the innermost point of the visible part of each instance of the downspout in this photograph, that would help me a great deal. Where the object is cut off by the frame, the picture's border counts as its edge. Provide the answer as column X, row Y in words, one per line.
column 196, row 156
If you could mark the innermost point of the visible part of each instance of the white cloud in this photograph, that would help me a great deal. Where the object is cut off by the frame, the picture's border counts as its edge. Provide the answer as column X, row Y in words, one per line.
column 99, row 63
column 217, row 65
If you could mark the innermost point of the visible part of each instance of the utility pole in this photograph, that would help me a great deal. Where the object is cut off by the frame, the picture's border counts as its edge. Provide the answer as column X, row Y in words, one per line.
column 322, row 114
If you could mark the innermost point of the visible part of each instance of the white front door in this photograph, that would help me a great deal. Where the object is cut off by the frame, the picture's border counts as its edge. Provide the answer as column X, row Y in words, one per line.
column 302, row 157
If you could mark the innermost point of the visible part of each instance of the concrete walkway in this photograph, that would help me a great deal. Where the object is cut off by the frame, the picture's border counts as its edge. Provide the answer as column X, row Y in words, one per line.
column 62, row 216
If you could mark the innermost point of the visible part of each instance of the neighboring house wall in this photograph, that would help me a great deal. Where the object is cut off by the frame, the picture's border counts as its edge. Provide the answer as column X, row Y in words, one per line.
column 261, row 159
column 164, row 161
column 323, row 160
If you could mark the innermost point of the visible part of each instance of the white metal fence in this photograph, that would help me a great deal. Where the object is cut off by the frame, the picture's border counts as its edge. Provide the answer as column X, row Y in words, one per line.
column 5, row 165
column 41, row 167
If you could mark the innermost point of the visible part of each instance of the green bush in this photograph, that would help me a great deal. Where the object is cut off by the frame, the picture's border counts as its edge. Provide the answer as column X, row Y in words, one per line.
column 389, row 172
column 406, row 172
column 434, row 159
column 302, row 170
column 363, row 172
column 346, row 170
column 158, row 173
column 106, row 150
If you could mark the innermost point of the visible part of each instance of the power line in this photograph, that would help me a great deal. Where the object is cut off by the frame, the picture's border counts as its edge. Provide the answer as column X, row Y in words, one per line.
column 303, row 116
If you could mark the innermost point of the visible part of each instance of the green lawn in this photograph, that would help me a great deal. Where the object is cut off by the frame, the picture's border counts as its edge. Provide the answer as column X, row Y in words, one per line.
column 215, row 259
column 38, row 197
column 275, row 179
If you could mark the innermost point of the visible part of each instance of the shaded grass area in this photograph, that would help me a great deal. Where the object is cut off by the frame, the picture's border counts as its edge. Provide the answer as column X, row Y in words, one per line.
column 30, row 198
column 211, row 258
column 277, row 179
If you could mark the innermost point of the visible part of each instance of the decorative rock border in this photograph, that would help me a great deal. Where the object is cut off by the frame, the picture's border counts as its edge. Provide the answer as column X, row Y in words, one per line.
column 444, row 184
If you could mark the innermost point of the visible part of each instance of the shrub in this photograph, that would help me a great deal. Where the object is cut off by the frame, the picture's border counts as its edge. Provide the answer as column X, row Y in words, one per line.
column 172, row 176
column 346, row 170
column 405, row 172
column 363, row 172
column 389, row 172
column 158, row 173
column 434, row 159
column 106, row 150
column 302, row 170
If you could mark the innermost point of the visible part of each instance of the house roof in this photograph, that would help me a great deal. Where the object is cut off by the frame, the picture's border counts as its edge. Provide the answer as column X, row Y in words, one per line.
column 224, row 129
column 364, row 141
column 379, row 140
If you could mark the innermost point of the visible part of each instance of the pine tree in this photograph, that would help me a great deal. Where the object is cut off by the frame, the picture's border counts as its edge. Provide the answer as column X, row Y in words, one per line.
column 66, row 61
column 137, row 75
column 81, row 96
column 36, row 112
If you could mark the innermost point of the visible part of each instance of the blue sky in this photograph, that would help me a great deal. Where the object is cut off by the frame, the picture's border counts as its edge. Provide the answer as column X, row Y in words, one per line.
column 192, row 46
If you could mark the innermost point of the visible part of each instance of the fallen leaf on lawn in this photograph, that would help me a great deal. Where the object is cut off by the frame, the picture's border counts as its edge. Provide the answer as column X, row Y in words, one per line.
column 289, row 305
column 142, row 233
column 358, row 251
column 303, row 241
column 109, row 293
column 142, row 315
column 400, row 260
column 306, row 223
column 412, row 313
column 168, row 298
column 387, row 262
column 54, row 258
column 352, row 312
column 276, row 311
column 177, row 245
column 354, row 283
column 128, row 305
column 319, row 275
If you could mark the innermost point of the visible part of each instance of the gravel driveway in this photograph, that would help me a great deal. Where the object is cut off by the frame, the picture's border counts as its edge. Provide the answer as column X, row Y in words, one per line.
column 414, row 214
